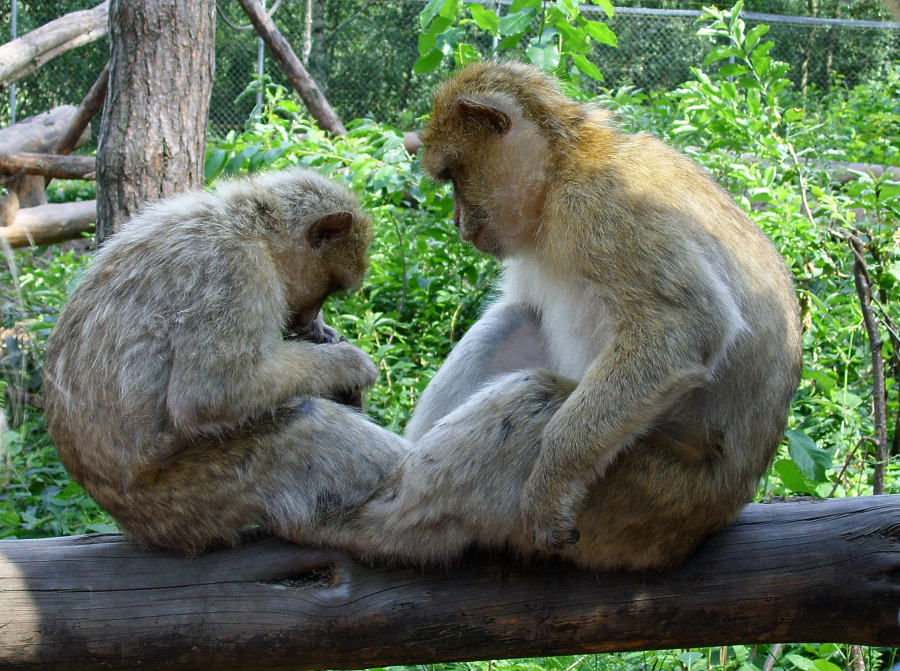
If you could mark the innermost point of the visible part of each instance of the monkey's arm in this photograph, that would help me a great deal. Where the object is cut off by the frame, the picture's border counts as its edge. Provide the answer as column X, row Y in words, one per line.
column 505, row 339
column 657, row 358
column 207, row 393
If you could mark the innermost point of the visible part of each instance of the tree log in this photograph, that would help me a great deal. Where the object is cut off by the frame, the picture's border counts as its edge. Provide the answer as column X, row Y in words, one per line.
column 38, row 133
column 87, row 110
column 26, row 54
column 48, row 165
column 784, row 572
column 48, row 224
column 292, row 67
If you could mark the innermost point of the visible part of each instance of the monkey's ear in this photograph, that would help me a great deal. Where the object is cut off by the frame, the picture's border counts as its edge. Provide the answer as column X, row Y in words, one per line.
column 484, row 115
column 329, row 227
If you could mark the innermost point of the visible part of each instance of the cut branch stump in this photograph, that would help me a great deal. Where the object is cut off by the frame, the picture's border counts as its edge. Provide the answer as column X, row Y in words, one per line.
column 784, row 572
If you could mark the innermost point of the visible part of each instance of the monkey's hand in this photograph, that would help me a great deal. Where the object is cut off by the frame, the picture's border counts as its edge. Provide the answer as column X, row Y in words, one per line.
column 352, row 370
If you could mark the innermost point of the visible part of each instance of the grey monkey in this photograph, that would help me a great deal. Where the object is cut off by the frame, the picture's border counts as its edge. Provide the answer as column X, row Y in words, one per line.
column 172, row 392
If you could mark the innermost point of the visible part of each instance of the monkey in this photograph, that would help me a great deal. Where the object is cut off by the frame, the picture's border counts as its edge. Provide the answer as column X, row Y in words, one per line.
column 188, row 378
column 622, row 398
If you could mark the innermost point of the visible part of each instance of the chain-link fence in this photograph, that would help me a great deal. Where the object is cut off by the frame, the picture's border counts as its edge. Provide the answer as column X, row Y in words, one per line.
column 361, row 53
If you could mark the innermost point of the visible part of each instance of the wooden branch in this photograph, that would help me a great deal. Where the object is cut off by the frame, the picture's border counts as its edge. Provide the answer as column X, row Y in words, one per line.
column 48, row 224
column 48, row 165
column 38, row 133
column 798, row 571
column 87, row 110
column 26, row 54
column 291, row 66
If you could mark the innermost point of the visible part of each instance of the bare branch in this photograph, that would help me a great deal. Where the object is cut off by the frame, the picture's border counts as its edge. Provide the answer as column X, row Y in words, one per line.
column 28, row 53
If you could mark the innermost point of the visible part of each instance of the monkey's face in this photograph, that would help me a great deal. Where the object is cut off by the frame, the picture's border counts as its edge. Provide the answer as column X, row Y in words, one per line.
column 327, row 255
column 495, row 160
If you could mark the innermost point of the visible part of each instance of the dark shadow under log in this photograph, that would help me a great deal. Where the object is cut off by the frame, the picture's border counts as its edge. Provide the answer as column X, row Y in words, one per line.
column 784, row 572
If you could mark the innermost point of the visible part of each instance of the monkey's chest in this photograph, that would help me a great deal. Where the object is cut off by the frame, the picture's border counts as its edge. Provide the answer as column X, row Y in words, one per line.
column 575, row 325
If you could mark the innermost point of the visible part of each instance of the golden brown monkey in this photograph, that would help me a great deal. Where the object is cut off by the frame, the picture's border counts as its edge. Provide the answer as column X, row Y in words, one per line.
column 624, row 395
column 173, row 394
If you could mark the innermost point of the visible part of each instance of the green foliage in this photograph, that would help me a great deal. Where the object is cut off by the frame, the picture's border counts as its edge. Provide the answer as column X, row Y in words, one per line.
column 548, row 34
column 37, row 497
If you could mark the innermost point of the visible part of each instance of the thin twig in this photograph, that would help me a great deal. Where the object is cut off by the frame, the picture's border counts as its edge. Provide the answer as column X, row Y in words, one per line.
column 863, row 282
column 847, row 462
column 857, row 661
column 772, row 657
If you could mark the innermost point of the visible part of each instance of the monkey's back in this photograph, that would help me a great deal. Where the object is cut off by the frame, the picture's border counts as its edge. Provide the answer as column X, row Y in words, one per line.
column 111, row 352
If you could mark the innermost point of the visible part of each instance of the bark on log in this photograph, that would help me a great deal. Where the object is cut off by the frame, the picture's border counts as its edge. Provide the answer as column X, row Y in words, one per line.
column 48, row 165
column 9, row 209
column 292, row 67
column 28, row 53
column 784, row 572
column 48, row 224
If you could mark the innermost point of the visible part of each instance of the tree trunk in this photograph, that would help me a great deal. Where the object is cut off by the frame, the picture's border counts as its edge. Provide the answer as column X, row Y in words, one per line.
column 153, row 133
column 26, row 54
column 798, row 571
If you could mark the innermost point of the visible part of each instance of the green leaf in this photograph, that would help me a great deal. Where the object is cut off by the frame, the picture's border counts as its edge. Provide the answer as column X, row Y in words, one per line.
column 466, row 53
column 519, row 5
column 792, row 478
column 513, row 24
column 825, row 665
column 427, row 40
column 721, row 53
column 794, row 114
column 754, row 35
column 600, row 32
column 810, row 459
column 431, row 10
column 545, row 57
column 450, row 10
column 214, row 162
column 606, row 5
column 733, row 70
column 429, row 62
column 588, row 68
column 484, row 18
column 801, row 663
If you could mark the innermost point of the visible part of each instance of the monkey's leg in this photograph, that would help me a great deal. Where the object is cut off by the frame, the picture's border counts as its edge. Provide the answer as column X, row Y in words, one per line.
column 292, row 477
column 461, row 482
column 507, row 338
